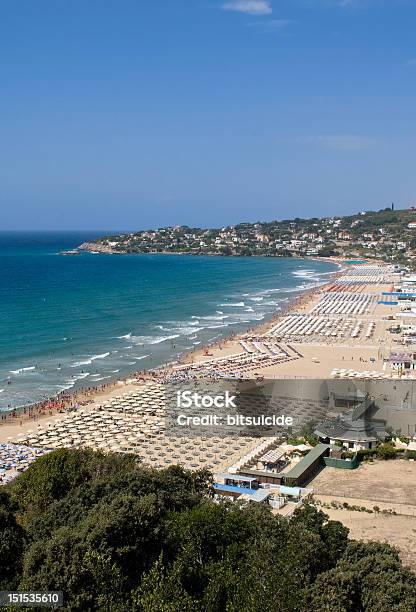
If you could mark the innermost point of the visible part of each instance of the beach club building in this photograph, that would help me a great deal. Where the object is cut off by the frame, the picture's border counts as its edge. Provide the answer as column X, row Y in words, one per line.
column 306, row 468
column 353, row 430
column 249, row 490
column 238, row 486
column 297, row 475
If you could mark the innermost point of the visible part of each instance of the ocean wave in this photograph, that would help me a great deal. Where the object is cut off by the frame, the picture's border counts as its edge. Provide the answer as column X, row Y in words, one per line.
column 152, row 339
column 194, row 322
column 80, row 376
column 78, row 364
column 288, row 290
column 101, row 378
column 304, row 272
column 189, row 330
column 67, row 386
column 141, row 357
column 256, row 299
column 233, row 304
column 240, row 317
column 162, row 328
column 1, row 390
column 306, row 286
column 218, row 326
column 216, row 317
column 20, row 370
column 125, row 337
column 183, row 330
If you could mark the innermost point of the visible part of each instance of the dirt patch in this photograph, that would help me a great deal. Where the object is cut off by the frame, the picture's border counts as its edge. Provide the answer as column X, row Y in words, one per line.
column 389, row 485
column 381, row 481
column 399, row 531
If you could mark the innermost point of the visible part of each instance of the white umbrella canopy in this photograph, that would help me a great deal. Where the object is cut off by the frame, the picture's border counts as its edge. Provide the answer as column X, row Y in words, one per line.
column 54, row 444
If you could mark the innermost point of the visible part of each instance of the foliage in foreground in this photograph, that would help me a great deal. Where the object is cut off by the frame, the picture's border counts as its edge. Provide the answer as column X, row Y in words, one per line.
column 113, row 535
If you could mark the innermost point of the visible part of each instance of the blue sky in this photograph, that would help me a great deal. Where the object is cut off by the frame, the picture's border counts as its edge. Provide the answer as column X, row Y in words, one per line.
column 133, row 114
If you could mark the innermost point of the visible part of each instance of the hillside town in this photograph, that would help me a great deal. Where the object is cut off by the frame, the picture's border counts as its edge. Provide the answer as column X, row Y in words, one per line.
column 388, row 234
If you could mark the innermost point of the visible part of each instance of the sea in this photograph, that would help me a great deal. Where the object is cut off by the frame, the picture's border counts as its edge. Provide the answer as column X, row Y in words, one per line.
column 76, row 321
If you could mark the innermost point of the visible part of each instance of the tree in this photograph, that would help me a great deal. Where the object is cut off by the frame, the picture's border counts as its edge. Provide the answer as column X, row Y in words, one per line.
column 386, row 451
column 67, row 563
column 368, row 577
column 54, row 475
column 161, row 591
column 114, row 535
column 11, row 545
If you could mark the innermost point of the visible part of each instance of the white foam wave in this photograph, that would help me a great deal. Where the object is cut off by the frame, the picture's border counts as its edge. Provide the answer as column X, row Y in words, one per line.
column 306, row 274
column 183, row 330
column 243, row 316
column 194, row 321
column 78, row 364
column 88, row 361
column 217, row 317
column 125, row 337
column 80, row 376
column 303, row 272
column 20, row 370
column 142, row 340
column 233, row 304
column 218, row 326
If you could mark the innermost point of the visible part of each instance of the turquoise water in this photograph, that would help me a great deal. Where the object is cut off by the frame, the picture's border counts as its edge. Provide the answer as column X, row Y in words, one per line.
column 356, row 261
column 87, row 319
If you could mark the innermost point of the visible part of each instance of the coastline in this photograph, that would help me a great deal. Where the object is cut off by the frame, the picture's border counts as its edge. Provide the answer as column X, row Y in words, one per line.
column 82, row 396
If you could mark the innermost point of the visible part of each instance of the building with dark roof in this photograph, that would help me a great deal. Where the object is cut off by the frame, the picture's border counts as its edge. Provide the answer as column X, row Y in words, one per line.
column 353, row 429
column 307, row 467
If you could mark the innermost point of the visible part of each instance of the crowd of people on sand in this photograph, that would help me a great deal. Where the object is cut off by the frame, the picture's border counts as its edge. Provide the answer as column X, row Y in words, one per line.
column 67, row 402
